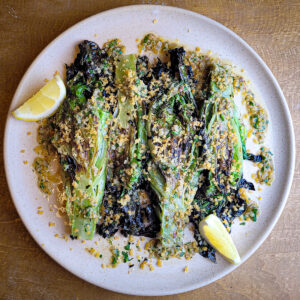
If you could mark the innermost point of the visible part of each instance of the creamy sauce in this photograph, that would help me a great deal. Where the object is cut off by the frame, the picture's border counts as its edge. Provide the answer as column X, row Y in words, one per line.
column 43, row 164
column 256, row 114
column 265, row 172
column 156, row 250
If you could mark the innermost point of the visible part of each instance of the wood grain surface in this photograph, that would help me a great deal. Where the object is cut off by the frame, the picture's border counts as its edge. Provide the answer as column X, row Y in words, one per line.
column 272, row 28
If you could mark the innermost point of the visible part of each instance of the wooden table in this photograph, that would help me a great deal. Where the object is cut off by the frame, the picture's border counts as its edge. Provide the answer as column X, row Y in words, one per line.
column 272, row 28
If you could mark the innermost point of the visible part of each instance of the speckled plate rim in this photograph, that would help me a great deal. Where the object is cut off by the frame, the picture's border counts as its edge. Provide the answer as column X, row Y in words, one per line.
column 291, row 154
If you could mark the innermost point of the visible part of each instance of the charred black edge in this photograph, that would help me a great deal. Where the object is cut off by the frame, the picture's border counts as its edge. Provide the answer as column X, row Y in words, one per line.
column 253, row 157
column 246, row 184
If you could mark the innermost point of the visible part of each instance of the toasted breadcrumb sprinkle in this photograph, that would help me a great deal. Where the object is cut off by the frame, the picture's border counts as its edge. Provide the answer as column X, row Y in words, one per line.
column 159, row 263
column 143, row 265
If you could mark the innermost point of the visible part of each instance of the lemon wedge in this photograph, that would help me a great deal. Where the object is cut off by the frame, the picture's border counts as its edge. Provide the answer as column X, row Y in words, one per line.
column 44, row 103
column 214, row 232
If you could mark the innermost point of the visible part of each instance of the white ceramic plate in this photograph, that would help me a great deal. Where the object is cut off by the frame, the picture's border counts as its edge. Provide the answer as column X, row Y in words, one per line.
column 129, row 23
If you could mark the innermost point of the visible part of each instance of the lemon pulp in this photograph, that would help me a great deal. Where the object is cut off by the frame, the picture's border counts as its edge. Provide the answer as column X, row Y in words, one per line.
column 44, row 103
column 214, row 232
